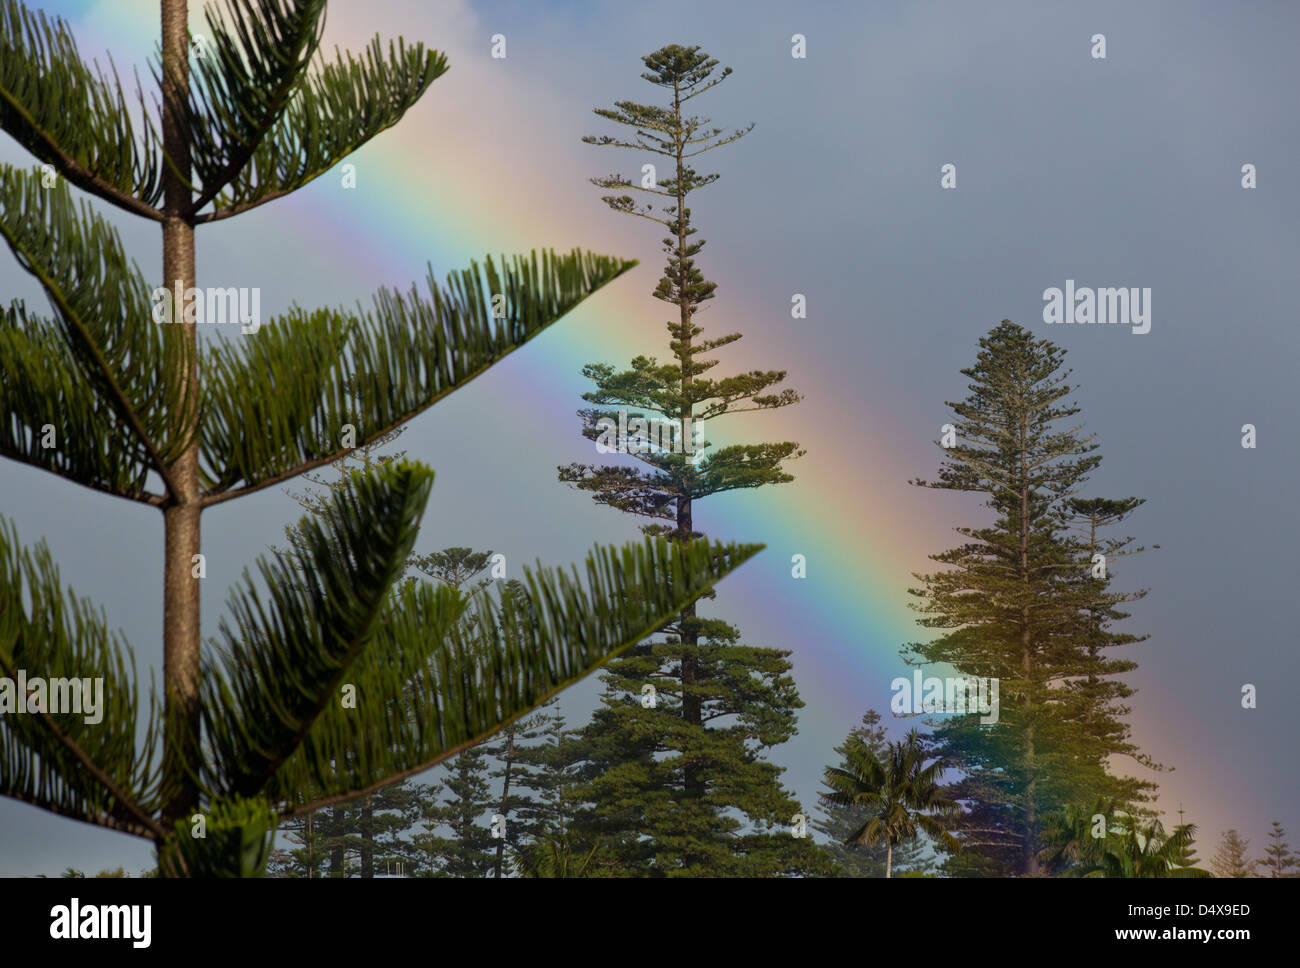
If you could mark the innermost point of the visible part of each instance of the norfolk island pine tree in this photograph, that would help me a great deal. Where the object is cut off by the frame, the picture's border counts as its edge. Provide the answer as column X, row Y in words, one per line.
column 237, row 740
column 669, row 782
column 1021, row 603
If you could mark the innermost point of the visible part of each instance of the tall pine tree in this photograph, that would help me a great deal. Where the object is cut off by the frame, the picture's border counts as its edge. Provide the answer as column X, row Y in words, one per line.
column 1232, row 857
column 550, row 802
column 512, row 801
column 250, row 729
column 467, row 850
column 1187, row 857
column 1278, row 860
column 1018, row 602
column 677, row 776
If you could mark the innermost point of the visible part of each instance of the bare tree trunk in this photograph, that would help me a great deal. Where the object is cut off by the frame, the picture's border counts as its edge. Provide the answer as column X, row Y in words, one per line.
column 505, row 803
column 181, row 511
column 368, row 838
column 336, row 849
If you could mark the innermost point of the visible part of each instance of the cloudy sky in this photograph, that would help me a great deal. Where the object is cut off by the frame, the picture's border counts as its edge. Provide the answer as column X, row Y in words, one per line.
column 1123, row 171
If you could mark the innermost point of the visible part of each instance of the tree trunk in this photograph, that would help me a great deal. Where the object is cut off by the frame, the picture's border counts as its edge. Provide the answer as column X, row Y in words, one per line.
column 336, row 848
column 505, row 802
column 1029, row 845
column 368, row 838
column 181, row 509
column 889, row 860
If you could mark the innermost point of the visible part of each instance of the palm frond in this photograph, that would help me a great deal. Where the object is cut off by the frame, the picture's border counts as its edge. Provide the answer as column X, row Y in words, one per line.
column 1185, row 872
column 937, row 832
column 553, row 856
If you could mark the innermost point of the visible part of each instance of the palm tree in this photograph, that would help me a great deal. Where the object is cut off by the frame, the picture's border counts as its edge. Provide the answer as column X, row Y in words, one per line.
column 552, row 856
column 1072, row 846
column 1147, row 851
column 901, row 793
column 1127, row 848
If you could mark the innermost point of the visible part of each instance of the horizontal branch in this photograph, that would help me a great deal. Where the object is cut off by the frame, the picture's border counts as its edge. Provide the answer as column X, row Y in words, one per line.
column 141, row 497
column 105, row 821
column 79, row 176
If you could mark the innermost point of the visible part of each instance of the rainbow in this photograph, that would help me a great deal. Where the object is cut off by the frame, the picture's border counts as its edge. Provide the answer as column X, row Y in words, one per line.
column 846, row 512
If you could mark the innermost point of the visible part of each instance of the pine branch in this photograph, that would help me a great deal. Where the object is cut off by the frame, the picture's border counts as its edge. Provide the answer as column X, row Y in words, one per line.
column 45, row 391
column 70, row 117
column 78, row 260
column 265, row 130
column 240, row 87
column 90, row 771
column 275, row 405
column 471, row 678
column 283, row 667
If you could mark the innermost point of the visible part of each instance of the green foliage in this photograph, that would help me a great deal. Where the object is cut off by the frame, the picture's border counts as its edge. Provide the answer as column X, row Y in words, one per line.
column 373, row 829
column 311, row 373
column 1278, row 860
column 58, row 760
column 551, row 856
column 1107, row 840
column 841, row 821
column 303, row 846
column 511, row 799
column 900, row 793
column 443, row 829
column 465, row 681
column 680, row 787
column 678, row 391
column 70, row 116
column 254, row 726
column 548, row 780
column 666, row 795
column 1095, row 701
column 1017, row 602
column 83, row 372
column 377, row 825
column 316, row 625
column 452, row 566
column 272, row 406
column 1232, row 858
column 235, row 841
column 262, row 123
column 470, row 850
column 1187, row 856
